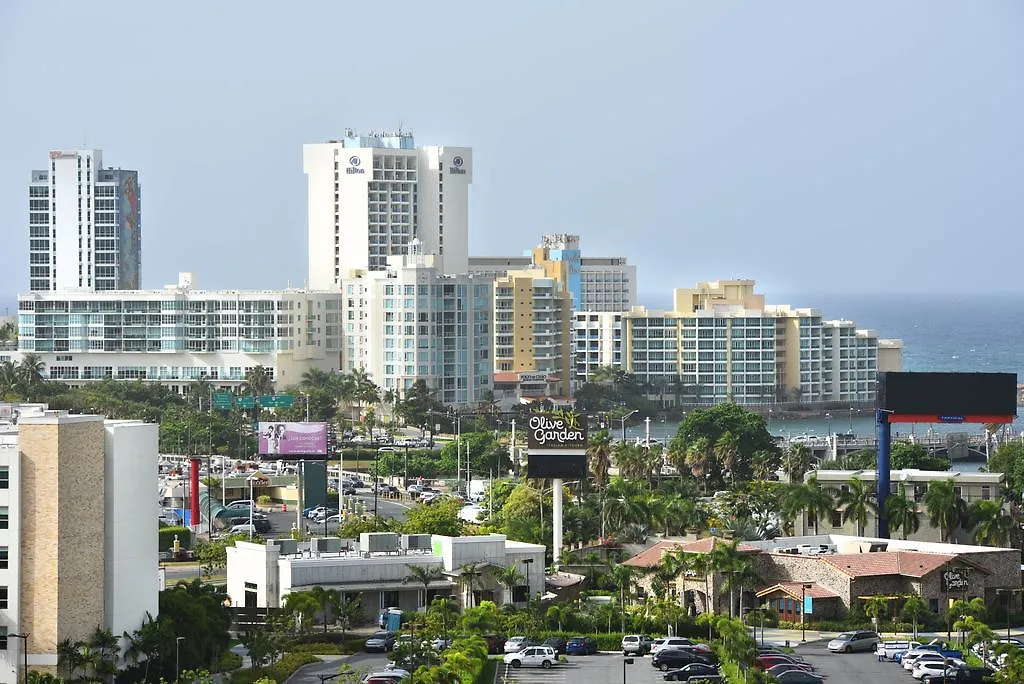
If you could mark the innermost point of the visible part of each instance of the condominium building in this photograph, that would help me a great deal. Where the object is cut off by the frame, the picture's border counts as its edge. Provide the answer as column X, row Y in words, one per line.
column 77, row 550
column 532, row 330
column 371, row 195
column 596, row 342
column 413, row 322
column 84, row 225
column 720, row 342
column 181, row 334
column 595, row 283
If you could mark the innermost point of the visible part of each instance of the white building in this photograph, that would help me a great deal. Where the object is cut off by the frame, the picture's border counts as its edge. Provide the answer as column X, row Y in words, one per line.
column 181, row 334
column 376, row 569
column 84, row 225
column 597, row 342
column 371, row 195
column 412, row 322
column 71, row 508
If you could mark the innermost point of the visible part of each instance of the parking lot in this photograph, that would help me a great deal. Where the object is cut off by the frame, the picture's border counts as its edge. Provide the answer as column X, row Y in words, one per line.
column 853, row 668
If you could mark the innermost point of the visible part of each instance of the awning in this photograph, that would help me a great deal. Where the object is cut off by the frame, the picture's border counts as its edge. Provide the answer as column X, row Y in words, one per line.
column 378, row 586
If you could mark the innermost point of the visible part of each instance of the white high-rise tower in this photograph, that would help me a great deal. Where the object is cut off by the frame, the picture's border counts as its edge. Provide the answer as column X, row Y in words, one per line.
column 84, row 225
column 371, row 195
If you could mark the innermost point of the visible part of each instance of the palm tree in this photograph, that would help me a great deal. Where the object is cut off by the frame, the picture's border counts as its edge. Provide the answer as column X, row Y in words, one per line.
column 876, row 607
column 329, row 601
column 945, row 509
column 258, row 381
column 727, row 450
column 510, row 578
column 699, row 457
column 796, row 461
column 857, row 501
column 424, row 575
column 622, row 576
column 9, row 379
column 599, row 451
column 818, row 501
column 631, row 461
column 993, row 525
column 30, row 372
column 914, row 609
column 8, row 332
column 901, row 512
column 469, row 577
column 728, row 559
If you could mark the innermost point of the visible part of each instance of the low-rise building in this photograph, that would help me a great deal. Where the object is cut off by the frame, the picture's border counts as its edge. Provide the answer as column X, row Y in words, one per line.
column 377, row 570
column 969, row 486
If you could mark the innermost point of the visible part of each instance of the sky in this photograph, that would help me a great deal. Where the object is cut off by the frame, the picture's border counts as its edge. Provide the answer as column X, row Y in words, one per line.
column 815, row 146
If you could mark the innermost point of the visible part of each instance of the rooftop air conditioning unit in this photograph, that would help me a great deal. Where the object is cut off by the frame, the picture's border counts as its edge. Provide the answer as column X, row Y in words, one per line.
column 416, row 542
column 378, row 542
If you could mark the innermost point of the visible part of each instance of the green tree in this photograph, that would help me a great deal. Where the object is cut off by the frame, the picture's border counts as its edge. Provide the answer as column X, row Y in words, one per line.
column 993, row 525
column 264, row 645
column 749, row 435
column 509, row 577
column 299, row 611
column 425, row 575
column 329, row 601
column 914, row 609
column 482, row 619
column 904, row 454
column 259, row 381
column 876, row 608
column 945, row 509
column 439, row 517
column 901, row 512
column 1007, row 459
column 796, row 461
column 599, row 451
column 857, row 502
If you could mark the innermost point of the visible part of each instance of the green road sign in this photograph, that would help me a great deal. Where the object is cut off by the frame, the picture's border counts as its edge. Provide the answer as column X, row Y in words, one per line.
column 246, row 402
column 222, row 400
column 278, row 401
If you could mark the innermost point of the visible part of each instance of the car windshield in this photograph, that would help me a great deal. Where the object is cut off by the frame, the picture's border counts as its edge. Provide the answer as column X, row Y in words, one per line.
column 845, row 635
column 379, row 635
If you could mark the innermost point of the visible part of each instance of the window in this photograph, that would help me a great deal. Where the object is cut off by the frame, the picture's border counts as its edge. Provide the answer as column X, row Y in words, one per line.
column 5, row 477
column 4, row 514
column 3, row 638
column 4, row 552
column 3, row 598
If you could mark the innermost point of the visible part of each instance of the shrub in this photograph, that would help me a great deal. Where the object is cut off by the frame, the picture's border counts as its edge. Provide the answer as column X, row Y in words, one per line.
column 278, row 672
column 263, row 500
column 167, row 534
column 318, row 647
column 228, row 661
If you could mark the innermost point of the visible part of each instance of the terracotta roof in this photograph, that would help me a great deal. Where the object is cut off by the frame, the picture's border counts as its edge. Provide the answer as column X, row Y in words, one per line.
column 652, row 556
column 506, row 376
column 906, row 563
column 794, row 589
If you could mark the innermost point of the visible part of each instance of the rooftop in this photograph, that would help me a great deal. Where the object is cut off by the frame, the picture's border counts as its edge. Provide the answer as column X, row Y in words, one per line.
column 906, row 563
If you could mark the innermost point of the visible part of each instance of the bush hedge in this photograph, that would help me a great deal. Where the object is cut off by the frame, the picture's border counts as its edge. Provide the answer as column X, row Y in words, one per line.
column 320, row 648
column 279, row 671
column 228, row 661
column 167, row 534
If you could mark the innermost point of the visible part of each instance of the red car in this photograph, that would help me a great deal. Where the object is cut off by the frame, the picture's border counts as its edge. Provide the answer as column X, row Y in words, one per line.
column 764, row 661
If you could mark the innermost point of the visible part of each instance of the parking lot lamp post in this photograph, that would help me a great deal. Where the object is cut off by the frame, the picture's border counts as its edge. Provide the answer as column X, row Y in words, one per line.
column 803, row 604
column 625, row 662
column 622, row 421
column 177, row 657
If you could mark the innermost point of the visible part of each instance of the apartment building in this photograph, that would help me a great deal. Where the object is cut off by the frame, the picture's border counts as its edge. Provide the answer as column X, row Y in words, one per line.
column 596, row 342
column 968, row 486
column 721, row 342
column 412, row 322
column 532, row 331
column 181, row 334
column 600, row 284
column 85, row 224
column 77, row 551
column 371, row 195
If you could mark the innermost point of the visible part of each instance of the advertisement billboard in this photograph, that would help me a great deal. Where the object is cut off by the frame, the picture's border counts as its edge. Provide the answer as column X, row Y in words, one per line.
column 948, row 397
column 293, row 439
column 556, row 445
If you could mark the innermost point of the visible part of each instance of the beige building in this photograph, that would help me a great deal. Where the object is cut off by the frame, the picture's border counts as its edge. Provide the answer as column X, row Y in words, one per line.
column 78, row 551
column 970, row 487
column 531, row 330
column 721, row 342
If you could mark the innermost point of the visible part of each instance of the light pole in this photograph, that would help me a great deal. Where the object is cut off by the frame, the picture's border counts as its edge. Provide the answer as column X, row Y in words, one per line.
column 177, row 658
column 527, row 562
column 851, row 419
column 803, row 604
column 25, row 653
column 625, row 662
column 828, row 421
column 623, row 422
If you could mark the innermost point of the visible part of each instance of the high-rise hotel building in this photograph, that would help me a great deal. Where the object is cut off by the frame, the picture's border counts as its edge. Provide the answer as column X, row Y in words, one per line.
column 371, row 195
column 84, row 225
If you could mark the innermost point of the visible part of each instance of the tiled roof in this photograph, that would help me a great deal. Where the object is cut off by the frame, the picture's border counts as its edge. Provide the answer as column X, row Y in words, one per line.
column 794, row 589
column 906, row 563
column 652, row 556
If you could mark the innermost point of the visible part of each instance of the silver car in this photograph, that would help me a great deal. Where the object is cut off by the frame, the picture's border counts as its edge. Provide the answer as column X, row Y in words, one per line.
column 848, row 642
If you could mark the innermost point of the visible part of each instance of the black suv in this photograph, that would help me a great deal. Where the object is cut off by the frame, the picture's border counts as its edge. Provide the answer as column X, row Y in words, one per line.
column 676, row 658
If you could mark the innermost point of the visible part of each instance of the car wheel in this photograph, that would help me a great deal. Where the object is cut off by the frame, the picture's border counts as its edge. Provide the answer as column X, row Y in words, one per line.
column 847, row 649
column 546, row 664
column 516, row 664
column 663, row 667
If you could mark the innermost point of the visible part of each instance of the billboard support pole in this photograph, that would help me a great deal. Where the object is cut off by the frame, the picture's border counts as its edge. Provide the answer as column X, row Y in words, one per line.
column 299, row 484
column 556, row 521
column 884, row 432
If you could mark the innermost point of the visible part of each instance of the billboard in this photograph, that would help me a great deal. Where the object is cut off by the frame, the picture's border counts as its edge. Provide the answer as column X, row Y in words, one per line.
column 557, row 445
column 293, row 439
column 948, row 397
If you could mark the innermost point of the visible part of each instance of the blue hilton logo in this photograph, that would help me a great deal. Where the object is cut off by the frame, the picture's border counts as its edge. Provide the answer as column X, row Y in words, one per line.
column 457, row 166
column 354, row 162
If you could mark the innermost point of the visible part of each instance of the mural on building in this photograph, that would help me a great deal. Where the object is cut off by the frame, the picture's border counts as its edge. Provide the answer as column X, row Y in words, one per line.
column 131, row 248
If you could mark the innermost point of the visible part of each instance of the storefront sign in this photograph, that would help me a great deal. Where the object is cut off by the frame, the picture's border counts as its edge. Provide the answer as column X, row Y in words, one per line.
column 561, row 432
column 955, row 580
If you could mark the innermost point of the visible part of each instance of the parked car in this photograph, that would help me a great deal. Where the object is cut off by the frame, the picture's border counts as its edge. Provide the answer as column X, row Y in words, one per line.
column 636, row 644
column 581, row 645
column 933, row 667
column 557, row 643
column 776, row 670
column 380, row 641
column 386, row 677
column 515, row 644
column 992, row 646
column 676, row 658
column 960, row 675
column 765, row 661
column 495, row 643
column 677, row 642
column 694, row 671
column 533, row 656
column 889, row 649
column 261, row 524
column 348, row 489
column 245, row 528
column 799, row 677
column 911, row 660
column 441, row 643
column 848, row 642
column 241, row 503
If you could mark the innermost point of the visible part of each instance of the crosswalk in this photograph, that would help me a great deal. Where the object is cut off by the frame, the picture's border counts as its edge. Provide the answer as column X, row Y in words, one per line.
column 535, row 675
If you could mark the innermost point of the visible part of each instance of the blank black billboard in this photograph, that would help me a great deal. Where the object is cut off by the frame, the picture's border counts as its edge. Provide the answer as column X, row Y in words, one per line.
column 564, row 466
column 948, row 394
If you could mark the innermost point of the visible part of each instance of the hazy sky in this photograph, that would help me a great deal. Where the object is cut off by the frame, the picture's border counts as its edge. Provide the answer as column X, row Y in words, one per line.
column 815, row 146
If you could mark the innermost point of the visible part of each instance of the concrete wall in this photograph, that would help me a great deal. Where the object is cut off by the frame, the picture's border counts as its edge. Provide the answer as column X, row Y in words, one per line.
column 131, row 566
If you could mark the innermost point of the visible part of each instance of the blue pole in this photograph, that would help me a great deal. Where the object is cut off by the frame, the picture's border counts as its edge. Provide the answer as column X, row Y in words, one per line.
column 884, row 434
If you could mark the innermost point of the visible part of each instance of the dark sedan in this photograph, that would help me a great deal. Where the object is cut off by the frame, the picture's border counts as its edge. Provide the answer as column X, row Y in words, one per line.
column 582, row 645
column 694, row 671
column 557, row 643
column 677, row 658
column 798, row 677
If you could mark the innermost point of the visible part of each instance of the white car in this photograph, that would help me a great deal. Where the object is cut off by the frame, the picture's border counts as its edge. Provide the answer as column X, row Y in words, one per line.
column 933, row 667
column 911, row 659
column 678, row 642
column 889, row 649
column 514, row 644
column 533, row 656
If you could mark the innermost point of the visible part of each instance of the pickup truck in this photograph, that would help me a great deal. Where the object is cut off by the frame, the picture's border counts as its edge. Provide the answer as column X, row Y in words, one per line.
column 888, row 650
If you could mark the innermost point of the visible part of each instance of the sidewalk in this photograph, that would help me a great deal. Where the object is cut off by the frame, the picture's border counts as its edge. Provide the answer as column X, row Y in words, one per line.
column 779, row 637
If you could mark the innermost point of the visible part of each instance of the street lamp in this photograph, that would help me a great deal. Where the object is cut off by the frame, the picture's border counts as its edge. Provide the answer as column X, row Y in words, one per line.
column 177, row 657
column 803, row 604
column 828, row 421
column 24, row 653
column 623, row 422
column 625, row 662
column 1009, row 595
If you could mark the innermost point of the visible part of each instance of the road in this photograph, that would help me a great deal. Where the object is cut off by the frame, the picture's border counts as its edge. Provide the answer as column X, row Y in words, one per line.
column 851, row 668
column 361, row 662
